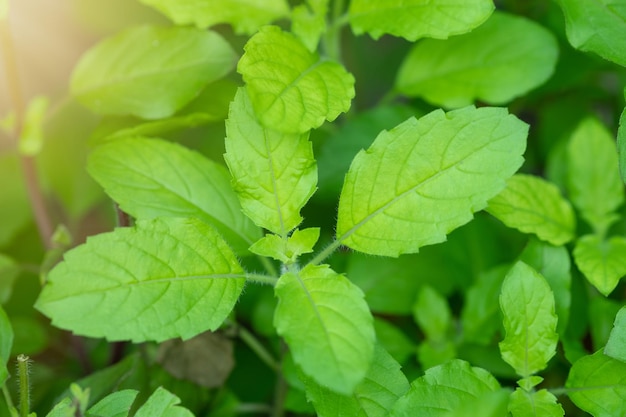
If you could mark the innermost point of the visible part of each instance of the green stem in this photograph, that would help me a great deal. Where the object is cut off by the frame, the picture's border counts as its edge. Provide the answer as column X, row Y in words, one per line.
column 23, row 362
column 257, row 347
column 7, row 399
column 332, row 38
column 280, row 389
column 325, row 253
column 269, row 266
column 261, row 279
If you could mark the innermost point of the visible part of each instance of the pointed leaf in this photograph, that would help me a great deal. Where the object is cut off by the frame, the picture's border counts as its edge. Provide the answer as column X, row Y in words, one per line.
column 152, row 178
column 534, row 404
column 432, row 313
column 416, row 19
column 150, row 71
column 596, row 26
column 597, row 385
column 163, row 403
column 373, row 397
column 593, row 179
column 117, row 404
column 616, row 346
column 287, row 250
column 325, row 320
column 603, row 262
column 445, row 388
column 291, row 89
column 274, row 174
column 244, row 15
column 527, row 305
column 164, row 278
column 533, row 205
column 424, row 178
column 487, row 64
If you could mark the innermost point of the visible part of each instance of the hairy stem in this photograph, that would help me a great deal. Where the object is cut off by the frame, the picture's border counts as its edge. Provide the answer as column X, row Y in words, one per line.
column 326, row 252
column 23, row 363
column 261, row 279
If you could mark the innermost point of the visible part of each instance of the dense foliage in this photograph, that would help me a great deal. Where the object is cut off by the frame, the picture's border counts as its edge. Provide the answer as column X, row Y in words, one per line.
column 364, row 208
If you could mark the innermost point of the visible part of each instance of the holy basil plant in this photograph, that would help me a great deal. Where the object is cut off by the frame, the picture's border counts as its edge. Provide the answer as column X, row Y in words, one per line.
column 442, row 267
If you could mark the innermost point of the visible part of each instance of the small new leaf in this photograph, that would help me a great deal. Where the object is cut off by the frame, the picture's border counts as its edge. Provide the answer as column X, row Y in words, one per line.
column 274, row 174
column 424, row 178
column 487, row 64
column 527, row 305
column 150, row 72
column 163, row 278
column 533, row 205
column 287, row 250
column 416, row 19
column 534, row 404
column 291, row 89
column 325, row 320
column 602, row 262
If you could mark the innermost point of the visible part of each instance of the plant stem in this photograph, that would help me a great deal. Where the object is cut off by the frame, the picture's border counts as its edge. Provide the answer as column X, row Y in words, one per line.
column 280, row 389
column 269, row 266
column 332, row 38
column 261, row 279
column 23, row 363
column 255, row 345
column 325, row 253
column 7, row 398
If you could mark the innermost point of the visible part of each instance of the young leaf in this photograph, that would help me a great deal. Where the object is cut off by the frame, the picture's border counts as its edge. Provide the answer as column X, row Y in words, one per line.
column 487, row 64
column 152, row 178
column 416, row 19
column 432, row 313
column 274, row 174
column 445, row 388
column 150, row 72
column 6, row 343
column 593, row 180
column 291, row 89
column 373, row 397
column 534, row 404
column 287, row 250
column 597, row 385
column 533, row 205
column 616, row 346
column 596, row 26
column 163, row 403
column 527, row 305
column 117, row 404
column 309, row 25
column 603, row 262
column 245, row 16
column 424, row 178
column 325, row 320
column 164, row 278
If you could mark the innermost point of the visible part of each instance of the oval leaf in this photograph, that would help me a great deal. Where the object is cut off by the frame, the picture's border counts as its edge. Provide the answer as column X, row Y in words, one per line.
column 416, row 19
column 325, row 320
column 527, row 305
column 486, row 64
column 153, row 178
column 533, row 205
column 534, row 404
column 164, row 278
column 150, row 72
column 424, row 178
column 290, row 88
column 274, row 174
column 244, row 15
column 602, row 262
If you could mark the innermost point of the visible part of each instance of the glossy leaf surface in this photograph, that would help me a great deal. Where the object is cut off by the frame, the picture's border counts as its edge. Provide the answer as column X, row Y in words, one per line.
column 163, row 278
column 274, row 174
column 603, row 262
column 527, row 305
column 150, row 72
column 416, row 19
column 152, row 178
column 424, row 178
column 324, row 319
column 291, row 89
column 533, row 205
column 502, row 59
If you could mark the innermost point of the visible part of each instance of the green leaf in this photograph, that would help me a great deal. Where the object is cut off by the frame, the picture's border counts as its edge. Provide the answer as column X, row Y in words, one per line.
column 394, row 340
column 527, row 305
column 621, row 144
column 152, row 178
column 150, row 72
column 534, row 404
column 491, row 404
column 287, row 250
column 596, row 26
column 602, row 312
column 416, row 19
column 602, row 262
column 163, row 278
column 6, row 343
column 117, row 404
column 244, row 15
column 15, row 211
column 163, row 403
column 291, row 89
column 274, row 174
column 325, row 320
column 373, row 397
column 593, row 179
column 500, row 60
column 445, row 388
column 308, row 24
column 432, row 313
column 9, row 271
column 616, row 346
column 424, row 178
column 533, row 205
column 597, row 385
column 31, row 137
column 553, row 262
